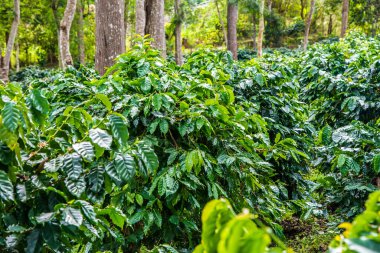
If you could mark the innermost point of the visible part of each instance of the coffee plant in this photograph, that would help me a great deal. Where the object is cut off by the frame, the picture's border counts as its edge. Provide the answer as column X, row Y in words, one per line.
column 125, row 162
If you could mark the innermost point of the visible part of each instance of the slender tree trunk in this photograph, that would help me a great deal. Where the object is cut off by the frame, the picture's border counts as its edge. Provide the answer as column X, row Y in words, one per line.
column 54, row 8
column 110, row 34
column 302, row 9
column 232, row 15
column 270, row 5
column 323, row 23
column 307, row 27
column 254, row 31
column 140, row 17
column 64, row 33
column 155, row 24
column 221, row 22
column 330, row 26
column 127, row 25
column 82, row 56
column 178, row 37
column 261, row 29
column 11, row 40
column 345, row 6
column 17, row 57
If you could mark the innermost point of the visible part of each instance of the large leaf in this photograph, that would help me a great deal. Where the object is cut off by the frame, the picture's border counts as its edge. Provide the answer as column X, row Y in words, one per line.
column 101, row 138
column 6, row 187
column 125, row 166
column 11, row 116
column 119, row 129
column 72, row 165
column 72, row 216
column 85, row 149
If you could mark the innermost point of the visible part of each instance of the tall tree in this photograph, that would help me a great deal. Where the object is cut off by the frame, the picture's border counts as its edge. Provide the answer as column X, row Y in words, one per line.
column 155, row 24
column 261, row 29
column 232, row 15
column 221, row 22
column 11, row 40
column 308, row 23
column 82, row 56
column 110, row 32
column 345, row 6
column 140, row 17
column 64, row 33
column 178, row 37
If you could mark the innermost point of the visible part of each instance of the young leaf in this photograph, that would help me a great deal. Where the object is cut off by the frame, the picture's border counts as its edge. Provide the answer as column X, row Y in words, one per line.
column 11, row 116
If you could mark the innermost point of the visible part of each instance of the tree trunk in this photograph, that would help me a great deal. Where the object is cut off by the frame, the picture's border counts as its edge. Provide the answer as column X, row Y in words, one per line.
column 178, row 37
column 345, row 6
column 232, row 15
column 330, row 26
column 54, row 7
column 127, row 25
column 110, row 34
column 254, row 31
column 155, row 24
column 82, row 56
column 261, row 30
column 307, row 27
column 11, row 40
column 302, row 12
column 64, row 34
column 140, row 17
column 221, row 22
column 270, row 5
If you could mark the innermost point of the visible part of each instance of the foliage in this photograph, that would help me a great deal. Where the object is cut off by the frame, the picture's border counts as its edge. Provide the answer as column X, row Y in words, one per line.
column 224, row 231
column 362, row 235
column 130, row 158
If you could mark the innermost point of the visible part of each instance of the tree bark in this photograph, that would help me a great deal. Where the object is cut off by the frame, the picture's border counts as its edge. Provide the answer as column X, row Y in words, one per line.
column 330, row 26
column 307, row 27
column 345, row 7
column 232, row 15
column 140, row 17
column 110, row 34
column 254, row 31
column 82, row 56
column 11, row 40
column 178, row 37
column 221, row 22
column 261, row 29
column 155, row 24
column 64, row 34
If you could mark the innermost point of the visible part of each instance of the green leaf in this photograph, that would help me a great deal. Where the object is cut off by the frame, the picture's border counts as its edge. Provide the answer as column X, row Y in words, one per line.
column 341, row 160
column 164, row 126
column 105, row 100
column 119, row 129
column 33, row 242
column 39, row 102
column 88, row 210
column 72, row 165
column 96, row 179
column 125, row 166
column 6, row 187
column 45, row 217
column 53, row 165
column 11, row 116
column 85, row 149
column 157, row 102
column 259, row 79
column 101, row 138
column 376, row 163
column 149, row 158
column 139, row 199
column 146, row 85
column 72, row 216
column 76, row 186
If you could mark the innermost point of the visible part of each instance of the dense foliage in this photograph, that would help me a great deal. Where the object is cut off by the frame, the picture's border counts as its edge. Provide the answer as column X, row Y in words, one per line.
column 127, row 161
